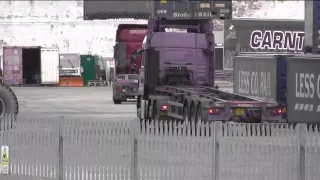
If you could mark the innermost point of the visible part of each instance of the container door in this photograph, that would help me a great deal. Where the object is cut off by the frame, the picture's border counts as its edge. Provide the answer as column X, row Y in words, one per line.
column 49, row 66
column 12, row 66
column 88, row 63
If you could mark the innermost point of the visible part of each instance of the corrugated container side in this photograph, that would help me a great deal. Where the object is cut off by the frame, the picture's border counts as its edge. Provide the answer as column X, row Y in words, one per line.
column 256, row 76
column 303, row 89
column 88, row 62
column 12, row 65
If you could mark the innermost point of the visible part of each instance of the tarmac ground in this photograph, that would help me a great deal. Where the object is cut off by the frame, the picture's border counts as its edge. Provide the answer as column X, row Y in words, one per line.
column 75, row 102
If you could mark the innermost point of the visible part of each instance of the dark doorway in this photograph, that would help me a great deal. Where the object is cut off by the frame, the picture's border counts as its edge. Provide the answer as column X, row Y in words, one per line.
column 31, row 59
column 219, row 58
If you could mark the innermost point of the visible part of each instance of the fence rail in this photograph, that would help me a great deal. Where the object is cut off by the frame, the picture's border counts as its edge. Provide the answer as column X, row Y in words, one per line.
column 71, row 149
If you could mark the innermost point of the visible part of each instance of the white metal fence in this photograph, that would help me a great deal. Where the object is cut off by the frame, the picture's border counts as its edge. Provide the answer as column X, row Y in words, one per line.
column 71, row 149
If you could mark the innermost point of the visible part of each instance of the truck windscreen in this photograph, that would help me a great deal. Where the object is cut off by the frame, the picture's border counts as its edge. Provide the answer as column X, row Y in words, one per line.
column 69, row 61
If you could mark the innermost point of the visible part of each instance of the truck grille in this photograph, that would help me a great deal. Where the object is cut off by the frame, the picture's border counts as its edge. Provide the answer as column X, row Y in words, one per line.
column 132, row 88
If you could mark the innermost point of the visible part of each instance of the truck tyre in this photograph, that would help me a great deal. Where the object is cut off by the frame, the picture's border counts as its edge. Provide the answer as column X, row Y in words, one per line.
column 116, row 101
column 8, row 101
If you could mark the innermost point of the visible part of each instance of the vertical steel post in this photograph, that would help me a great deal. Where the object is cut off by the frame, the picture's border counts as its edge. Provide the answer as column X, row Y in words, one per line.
column 217, row 133
column 60, row 150
column 134, row 150
column 301, row 130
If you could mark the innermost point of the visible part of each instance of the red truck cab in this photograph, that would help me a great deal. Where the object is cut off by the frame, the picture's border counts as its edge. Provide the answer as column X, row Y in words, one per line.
column 129, row 38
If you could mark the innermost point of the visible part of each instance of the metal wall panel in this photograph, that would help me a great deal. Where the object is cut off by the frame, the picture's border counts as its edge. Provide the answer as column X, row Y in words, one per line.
column 303, row 94
column 255, row 75
column 238, row 37
column 88, row 62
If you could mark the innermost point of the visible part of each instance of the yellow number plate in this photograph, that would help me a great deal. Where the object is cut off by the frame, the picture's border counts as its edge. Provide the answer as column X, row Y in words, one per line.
column 284, row 110
column 239, row 112
column 163, row 1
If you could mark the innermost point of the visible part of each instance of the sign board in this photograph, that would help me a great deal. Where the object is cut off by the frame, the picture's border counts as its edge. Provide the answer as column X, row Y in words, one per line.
column 4, row 159
column 255, row 76
column 245, row 35
column 303, row 96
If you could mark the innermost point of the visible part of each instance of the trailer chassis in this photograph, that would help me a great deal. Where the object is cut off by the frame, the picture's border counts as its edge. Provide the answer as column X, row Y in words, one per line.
column 201, row 104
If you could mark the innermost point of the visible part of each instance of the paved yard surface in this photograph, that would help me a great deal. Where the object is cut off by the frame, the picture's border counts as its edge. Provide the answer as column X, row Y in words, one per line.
column 82, row 102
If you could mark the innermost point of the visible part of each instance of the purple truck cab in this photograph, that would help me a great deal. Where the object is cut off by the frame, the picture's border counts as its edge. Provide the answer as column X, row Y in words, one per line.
column 177, row 81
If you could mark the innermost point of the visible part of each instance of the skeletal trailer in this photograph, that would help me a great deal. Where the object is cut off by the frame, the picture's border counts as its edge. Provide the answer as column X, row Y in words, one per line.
column 200, row 104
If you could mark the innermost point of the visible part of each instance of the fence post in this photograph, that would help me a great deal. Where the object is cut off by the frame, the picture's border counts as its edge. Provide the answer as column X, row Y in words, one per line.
column 217, row 134
column 302, row 130
column 60, row 150
column 134, row 149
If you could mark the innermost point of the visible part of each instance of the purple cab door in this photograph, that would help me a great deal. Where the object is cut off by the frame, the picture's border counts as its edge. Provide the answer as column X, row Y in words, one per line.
column 12, row 65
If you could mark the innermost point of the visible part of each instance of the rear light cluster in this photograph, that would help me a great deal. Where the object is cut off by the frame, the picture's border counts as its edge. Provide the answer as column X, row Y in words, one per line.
column 276, row 111
column 164, row 108
column 214, row 111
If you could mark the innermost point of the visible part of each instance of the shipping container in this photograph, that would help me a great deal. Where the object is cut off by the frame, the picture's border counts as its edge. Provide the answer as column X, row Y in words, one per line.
column 247, row 35
column 304, row 89
column 262, row 75
column 93, row 10
column 49, row 65
column 12, row 65
column 88, row 63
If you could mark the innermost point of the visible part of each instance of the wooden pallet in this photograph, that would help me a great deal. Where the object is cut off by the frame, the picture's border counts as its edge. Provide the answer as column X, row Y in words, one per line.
column 97, row 83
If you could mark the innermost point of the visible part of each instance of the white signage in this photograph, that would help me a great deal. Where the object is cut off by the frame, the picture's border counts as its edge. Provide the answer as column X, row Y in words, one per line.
column 307, row 85
column 138, row 31
column 255, row 83
column 277, row 40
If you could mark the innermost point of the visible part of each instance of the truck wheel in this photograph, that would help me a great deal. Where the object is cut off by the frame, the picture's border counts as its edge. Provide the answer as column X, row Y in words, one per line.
column 117, row 101
column 8, row 101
